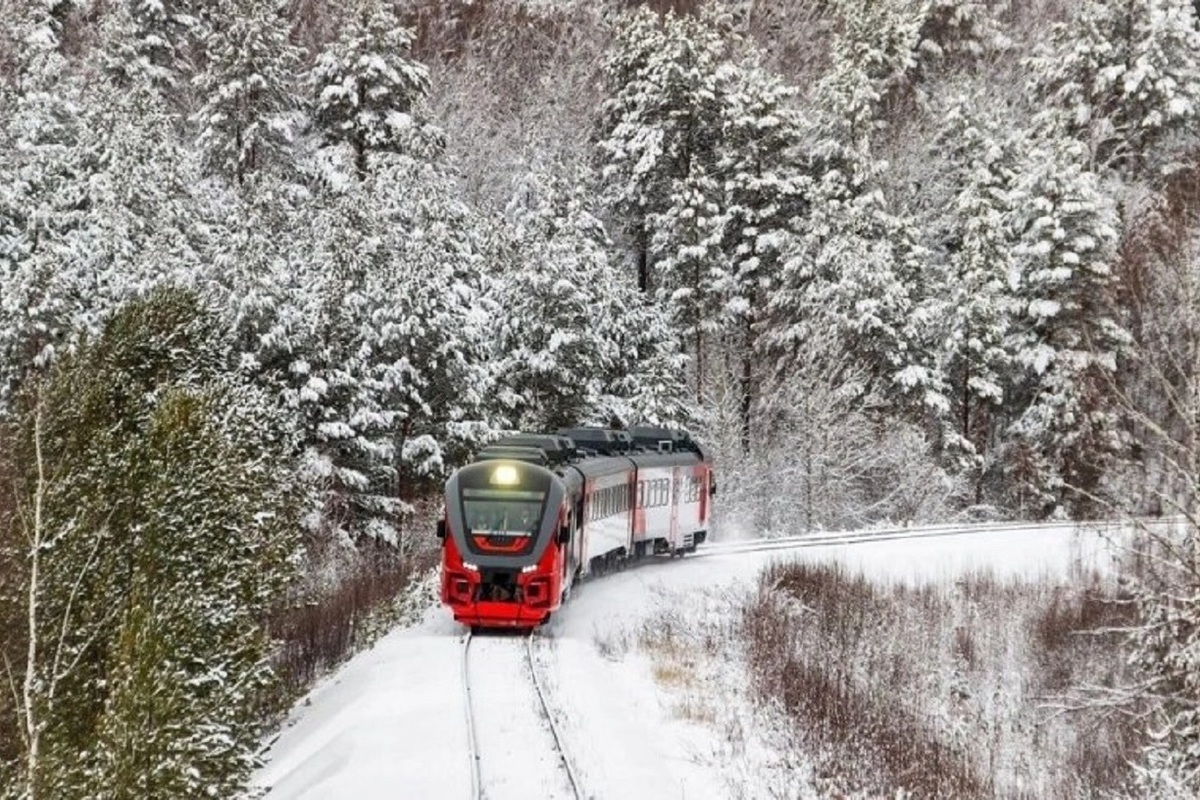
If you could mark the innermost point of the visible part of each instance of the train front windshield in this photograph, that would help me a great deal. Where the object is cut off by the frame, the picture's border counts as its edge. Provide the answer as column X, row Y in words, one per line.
column 502, row 520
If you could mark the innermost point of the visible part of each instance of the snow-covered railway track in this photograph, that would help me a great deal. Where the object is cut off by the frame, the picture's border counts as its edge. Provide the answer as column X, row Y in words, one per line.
column 515, row 748
column 469, row 706
column 862, row 537
column 548, row 714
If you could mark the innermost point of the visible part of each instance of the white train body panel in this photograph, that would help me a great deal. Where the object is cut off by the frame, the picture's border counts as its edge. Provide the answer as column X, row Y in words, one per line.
column 607, row 517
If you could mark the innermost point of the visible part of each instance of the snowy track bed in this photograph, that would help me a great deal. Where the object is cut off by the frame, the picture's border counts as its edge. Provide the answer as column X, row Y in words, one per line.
column 515, row 748
column 391, row 722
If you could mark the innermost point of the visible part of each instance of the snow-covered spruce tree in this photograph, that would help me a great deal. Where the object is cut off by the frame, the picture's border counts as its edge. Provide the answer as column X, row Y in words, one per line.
column 763, row 190
column 366, row 86
column 152, row 42
column 658, row 129
column 856, row 257
column 854, row 252
column 873, row 66
column 1126, row 76
column 159, row 510
column 1066, row 336
column 972, row 284
column 648, row 382
column 247, row 86
column 293, row 271
column 40, row 155
column 553, row 341
column 954, row 33
column 579, row 343
column 99, row 208
column 364, row 308
column 436, row 319
column 348, row 426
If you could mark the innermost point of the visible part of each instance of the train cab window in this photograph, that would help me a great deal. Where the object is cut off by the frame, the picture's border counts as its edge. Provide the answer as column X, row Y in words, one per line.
column 503, row 521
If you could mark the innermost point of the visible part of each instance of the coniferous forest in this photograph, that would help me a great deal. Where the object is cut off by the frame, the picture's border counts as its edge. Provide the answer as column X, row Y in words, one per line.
column 270, row 269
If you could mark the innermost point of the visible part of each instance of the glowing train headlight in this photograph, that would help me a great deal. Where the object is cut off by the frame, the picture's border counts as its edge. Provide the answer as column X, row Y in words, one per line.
column 470, row 566
column 505, row 475
column 529, row 568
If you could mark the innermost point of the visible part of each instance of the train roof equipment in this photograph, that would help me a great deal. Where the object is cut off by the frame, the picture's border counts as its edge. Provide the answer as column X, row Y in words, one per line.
column 603, row 441
column 532, row 455
column 558, row 449
column 663, row 440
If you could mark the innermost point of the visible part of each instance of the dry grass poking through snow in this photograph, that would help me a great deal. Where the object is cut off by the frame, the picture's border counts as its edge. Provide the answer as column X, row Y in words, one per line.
column 955, row 690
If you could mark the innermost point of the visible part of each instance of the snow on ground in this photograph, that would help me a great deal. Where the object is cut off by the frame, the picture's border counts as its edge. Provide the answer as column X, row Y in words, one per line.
column 391, row 723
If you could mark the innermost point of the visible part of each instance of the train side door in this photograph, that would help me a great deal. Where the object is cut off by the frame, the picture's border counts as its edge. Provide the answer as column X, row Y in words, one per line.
column 575, row 550
column 674, row 500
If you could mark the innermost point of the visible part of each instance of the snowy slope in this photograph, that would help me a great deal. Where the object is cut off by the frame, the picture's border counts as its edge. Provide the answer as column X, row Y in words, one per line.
column 392, row 724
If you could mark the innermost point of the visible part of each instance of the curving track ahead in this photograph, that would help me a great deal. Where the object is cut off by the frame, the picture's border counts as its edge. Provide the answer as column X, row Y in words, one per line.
column 880, row 535
column 500, row 730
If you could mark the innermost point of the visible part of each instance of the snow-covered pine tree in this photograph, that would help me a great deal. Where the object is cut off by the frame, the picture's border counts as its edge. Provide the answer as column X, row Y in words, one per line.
column 438, row 322
column 102, row 207
column 873, row 67
column 40, row 156
column 296, row 273
column 374, row 325
column 647, row 384
column 1125, row 75
column 349, row 425
column 366, row 86
column 553, row 352
column 248, row 88
column 611, row 356
column 1066, row 334
column 955, row 33
column 96, row 205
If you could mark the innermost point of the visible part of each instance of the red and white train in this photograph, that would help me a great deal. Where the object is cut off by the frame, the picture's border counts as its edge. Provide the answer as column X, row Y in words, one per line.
column 534, row 513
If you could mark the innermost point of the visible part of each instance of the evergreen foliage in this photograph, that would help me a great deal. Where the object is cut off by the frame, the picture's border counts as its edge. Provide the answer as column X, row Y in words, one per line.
column 1125, row 75
column 152, row 42
column 366, row 86
column 165, row 527
column 657, row 135
column 244, row 122
column 578, row 342
column 1066, row 335
column 974, row 305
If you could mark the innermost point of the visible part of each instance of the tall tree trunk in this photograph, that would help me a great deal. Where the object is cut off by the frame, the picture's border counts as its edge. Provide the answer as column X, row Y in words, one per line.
column 33, row 722
column 747, row 387
column 360, row 140
column 643, row 259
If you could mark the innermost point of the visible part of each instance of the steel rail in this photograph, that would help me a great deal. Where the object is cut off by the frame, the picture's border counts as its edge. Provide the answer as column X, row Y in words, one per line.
column 572, row 777
column 882, row 535
column 472, row 740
